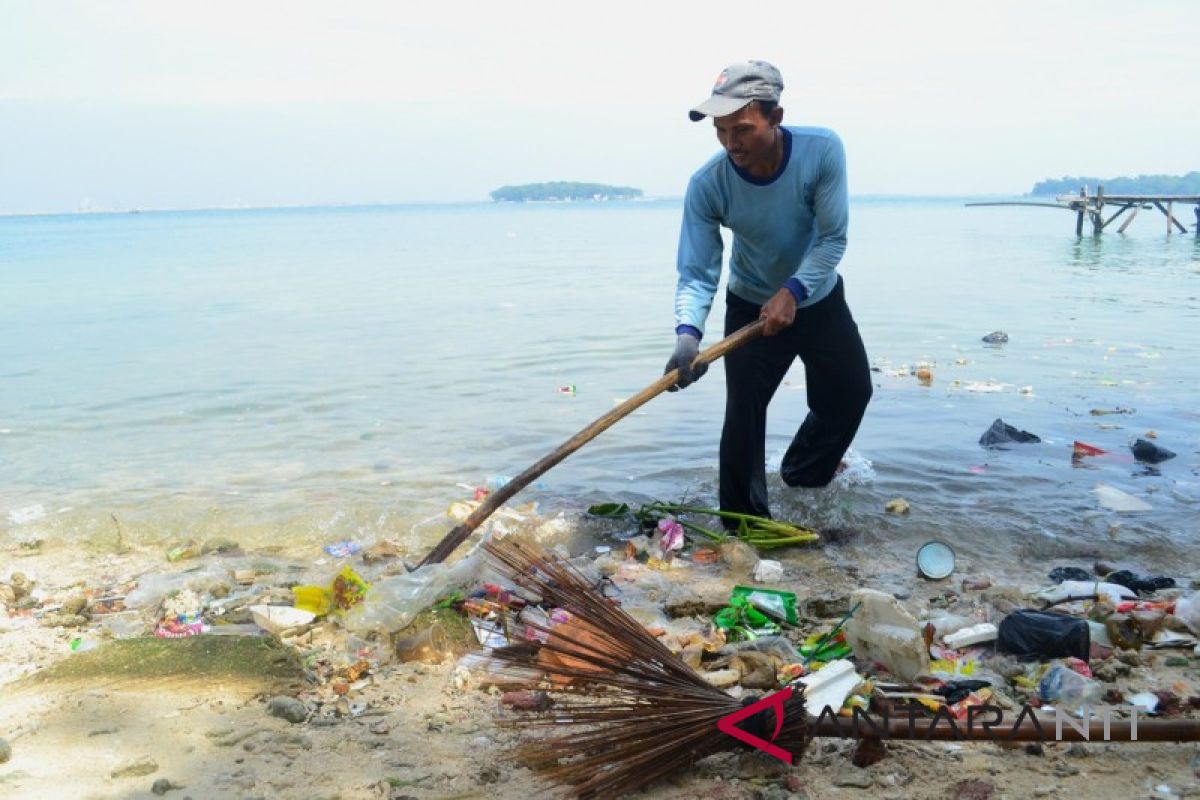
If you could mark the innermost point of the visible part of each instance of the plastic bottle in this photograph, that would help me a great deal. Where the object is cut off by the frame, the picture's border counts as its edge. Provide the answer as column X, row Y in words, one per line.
column 1068, row 688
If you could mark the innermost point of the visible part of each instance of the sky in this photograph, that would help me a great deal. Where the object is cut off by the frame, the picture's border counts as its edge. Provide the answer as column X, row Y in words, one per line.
column 124, row 104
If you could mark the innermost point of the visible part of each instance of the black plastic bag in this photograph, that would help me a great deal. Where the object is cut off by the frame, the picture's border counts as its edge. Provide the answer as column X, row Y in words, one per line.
column 1140, row 583
column 1150, row 453
column 1003, row 433
column 1060, row 574
column 1042, row 635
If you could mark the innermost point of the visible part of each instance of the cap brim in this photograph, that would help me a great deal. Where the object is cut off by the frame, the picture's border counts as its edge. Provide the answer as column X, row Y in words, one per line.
column 718, row 106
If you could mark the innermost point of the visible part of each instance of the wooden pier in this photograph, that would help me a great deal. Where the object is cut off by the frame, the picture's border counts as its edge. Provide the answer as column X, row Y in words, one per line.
column 1095, row 207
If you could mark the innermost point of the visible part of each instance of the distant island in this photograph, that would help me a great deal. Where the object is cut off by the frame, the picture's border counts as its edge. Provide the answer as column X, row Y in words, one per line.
column 564, row 190
column 1188, row 184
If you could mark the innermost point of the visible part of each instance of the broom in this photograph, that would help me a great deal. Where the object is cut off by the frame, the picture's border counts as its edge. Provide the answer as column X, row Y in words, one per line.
column 494, row 500
column 634, row 712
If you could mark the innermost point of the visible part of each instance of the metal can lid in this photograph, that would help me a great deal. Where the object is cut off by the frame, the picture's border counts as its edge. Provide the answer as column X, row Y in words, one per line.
column 935, row 560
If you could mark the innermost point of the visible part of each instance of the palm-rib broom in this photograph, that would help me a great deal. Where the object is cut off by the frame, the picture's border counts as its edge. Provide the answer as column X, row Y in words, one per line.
column 635, row 713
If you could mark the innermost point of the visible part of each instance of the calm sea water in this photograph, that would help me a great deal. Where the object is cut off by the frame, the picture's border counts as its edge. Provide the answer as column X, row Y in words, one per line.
column 300, row 376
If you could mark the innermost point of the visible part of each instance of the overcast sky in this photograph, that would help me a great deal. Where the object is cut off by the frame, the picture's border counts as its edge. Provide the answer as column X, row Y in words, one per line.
column 123, row 104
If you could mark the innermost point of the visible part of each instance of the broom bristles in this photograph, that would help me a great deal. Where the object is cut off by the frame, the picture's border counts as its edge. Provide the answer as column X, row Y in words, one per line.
column 633, row 711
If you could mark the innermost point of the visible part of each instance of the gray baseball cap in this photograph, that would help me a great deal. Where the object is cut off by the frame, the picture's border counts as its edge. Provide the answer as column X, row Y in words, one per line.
column 737, row 85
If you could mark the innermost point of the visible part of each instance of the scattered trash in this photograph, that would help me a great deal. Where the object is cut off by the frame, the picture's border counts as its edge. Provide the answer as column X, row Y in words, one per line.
column 1187, row 610
column 428, row 645
column 935, row 560
column 1001, row 433
column 1147, row 701
column 1060, row 574
column 1111, row 593
column 768, row 571
column 1140, row 583
column 983, row 632
column 996, row 337
column 275, row 619
column 1114, row 499
column 925, row 376
column 1042, row 635
column 897, row 506
column 569, row 390
column 343, row 549
column 183, row 552
column 1082, row 450
column 829, row 686
column 1068, row 688
column 1150, row 453
column 981, row 387
column 1104, row 412
column 779, row 605
column 346, row 591
column 884, row 631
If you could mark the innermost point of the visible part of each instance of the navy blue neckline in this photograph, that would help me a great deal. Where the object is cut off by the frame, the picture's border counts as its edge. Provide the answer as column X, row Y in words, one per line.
column 783, row 162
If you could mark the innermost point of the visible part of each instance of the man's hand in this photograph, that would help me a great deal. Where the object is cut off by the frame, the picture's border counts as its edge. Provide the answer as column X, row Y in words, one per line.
column 687, row 347
column 779, row 312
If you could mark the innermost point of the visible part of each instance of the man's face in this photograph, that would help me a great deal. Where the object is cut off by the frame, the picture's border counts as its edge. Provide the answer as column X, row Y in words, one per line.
column 749, row 137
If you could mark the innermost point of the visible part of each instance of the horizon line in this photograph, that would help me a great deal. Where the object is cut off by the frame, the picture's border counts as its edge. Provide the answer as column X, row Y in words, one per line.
column 403, row 203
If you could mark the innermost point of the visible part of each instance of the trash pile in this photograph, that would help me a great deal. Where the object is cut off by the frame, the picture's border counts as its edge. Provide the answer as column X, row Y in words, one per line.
column 749, row 625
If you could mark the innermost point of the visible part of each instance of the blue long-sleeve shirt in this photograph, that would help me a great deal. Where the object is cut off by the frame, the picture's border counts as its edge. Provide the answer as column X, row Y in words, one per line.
column 788, row 230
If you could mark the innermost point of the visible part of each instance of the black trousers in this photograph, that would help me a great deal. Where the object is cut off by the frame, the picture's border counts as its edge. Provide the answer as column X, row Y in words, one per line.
column 825, row 337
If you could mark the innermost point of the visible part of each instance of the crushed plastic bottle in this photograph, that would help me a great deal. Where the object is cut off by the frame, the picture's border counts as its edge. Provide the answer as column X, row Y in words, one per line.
column 392, row 603
column 1068, row 688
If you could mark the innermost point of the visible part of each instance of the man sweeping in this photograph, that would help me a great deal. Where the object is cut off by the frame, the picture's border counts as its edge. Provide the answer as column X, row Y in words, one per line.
column 782, row 192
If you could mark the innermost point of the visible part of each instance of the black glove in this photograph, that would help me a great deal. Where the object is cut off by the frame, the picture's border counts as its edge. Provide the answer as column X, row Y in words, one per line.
column 687, row 347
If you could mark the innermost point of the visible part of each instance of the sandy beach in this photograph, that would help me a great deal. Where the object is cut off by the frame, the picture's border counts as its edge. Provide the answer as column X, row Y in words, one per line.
column 246, row 715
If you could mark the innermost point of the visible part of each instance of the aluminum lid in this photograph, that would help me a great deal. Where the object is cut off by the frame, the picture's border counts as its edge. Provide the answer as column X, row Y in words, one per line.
column 935, row 560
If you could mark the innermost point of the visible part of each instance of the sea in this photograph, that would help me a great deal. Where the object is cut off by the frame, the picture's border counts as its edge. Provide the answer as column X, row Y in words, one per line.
column 295, row 377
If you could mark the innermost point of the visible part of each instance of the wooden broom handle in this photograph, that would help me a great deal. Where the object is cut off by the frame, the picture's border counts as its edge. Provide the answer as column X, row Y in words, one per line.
column 502, row 495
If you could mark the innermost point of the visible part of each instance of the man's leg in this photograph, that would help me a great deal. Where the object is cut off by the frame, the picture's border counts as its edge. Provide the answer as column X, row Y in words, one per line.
column 752, row 374
column 839, row 388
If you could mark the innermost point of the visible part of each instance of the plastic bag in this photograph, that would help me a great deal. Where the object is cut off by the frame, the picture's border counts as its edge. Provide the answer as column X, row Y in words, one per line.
column 1068, row 688
column 1038, row 634
column 1150, row 453
column 1187, row 609
column 777, row 603
column 1140, row 583
column 1003, row 433
column 1112, row 593
column 344, row 592
column 393, row 603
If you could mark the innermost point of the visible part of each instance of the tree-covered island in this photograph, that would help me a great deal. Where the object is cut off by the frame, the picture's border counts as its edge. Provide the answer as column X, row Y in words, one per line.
column 564, row 190
column 1188, row 184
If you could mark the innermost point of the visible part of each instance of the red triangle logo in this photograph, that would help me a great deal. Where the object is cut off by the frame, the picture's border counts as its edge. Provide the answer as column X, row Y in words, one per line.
column 728, row 724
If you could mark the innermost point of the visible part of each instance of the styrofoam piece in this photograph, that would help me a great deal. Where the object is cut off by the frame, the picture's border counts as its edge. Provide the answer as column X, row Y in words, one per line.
column 1114, row 499
column 829, row 686
column 1147, row 701
column 983, row 632
column 274, row 619
column 883, row 631
column 1112, row 593
column 768, row 571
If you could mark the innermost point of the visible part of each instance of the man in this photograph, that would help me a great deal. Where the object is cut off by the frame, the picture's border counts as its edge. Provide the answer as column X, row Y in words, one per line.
column 782, row 192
